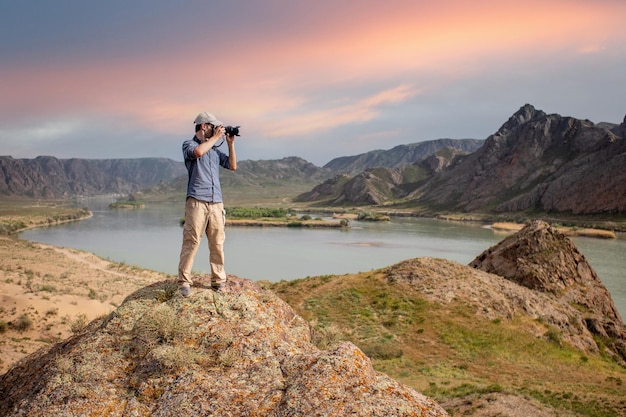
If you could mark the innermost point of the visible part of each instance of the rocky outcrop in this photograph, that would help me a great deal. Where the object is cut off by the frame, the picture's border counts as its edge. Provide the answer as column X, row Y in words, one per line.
column 49, row 177
column 536, row 161
column 544, row 260
column 235, row 353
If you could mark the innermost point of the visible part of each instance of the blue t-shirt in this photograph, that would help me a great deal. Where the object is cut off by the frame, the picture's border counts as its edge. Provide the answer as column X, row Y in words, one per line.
column 204, row 179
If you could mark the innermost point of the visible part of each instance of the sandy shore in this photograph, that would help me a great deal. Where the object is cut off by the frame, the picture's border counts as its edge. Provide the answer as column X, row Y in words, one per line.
column 568, row 231
column 47, row 291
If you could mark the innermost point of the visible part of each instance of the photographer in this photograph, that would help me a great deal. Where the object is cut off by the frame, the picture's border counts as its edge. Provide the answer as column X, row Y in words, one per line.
column 204, row 207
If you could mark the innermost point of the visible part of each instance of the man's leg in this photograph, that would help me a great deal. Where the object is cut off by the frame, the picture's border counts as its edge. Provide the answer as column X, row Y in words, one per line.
column 216, row 234
column 195, row 223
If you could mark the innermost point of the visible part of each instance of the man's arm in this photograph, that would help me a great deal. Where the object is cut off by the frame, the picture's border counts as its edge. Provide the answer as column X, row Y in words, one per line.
column 204, row 147
column 232, row 156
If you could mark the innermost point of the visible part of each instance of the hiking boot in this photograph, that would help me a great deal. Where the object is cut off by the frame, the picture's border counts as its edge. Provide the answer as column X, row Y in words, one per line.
column 217, row 287
column 185, row 291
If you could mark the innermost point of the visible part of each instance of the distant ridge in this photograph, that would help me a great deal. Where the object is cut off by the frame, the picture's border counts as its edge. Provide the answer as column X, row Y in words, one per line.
column 49, row 177
column 400, row 155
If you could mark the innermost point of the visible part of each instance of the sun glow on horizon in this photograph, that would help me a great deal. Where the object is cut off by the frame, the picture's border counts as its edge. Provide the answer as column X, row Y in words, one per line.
column 333, row 65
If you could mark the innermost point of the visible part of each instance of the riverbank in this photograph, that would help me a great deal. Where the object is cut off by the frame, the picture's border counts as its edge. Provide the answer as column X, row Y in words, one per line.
column 567, row 231
column 17, row 216
column 284, row 223
column 606, row 230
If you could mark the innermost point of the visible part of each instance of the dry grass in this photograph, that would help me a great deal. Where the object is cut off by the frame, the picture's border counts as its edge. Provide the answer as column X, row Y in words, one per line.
column 59, row 290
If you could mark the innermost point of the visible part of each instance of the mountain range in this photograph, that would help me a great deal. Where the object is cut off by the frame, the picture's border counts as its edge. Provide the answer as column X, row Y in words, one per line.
column 540, row 162
column 535, row 162
column 48, row 177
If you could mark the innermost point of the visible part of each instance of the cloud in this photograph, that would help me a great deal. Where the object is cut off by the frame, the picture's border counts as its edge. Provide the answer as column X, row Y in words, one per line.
column 298, row 74
column 338, row 115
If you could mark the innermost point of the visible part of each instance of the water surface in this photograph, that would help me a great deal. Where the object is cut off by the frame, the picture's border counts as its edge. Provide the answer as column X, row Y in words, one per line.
column 151, row 238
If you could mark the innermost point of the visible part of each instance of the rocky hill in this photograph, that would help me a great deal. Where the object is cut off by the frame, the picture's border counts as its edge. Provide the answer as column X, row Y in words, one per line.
column 536, row 161
column 376, row 186
column 49, row 177
column 484, row 343
column 399, row 156
column 242, row 352
column 544, row 260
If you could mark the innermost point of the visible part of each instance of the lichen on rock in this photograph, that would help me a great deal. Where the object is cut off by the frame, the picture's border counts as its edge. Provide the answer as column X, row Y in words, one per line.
column 242, row 351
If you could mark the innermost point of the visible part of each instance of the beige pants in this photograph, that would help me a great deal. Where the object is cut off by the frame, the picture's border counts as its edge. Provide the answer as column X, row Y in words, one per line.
column 201, row 218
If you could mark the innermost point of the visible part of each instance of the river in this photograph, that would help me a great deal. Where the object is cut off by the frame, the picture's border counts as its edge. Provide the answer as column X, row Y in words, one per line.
column 151, row 238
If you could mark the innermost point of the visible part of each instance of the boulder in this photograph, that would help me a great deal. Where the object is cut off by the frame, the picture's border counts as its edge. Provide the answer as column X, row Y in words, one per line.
column 542, row 259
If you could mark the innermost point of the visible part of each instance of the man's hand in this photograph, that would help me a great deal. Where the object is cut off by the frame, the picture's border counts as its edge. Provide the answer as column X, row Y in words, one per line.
column 218, row 132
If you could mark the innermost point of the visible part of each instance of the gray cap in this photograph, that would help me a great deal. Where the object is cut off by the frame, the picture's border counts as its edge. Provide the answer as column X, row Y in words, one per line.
column 205, row 117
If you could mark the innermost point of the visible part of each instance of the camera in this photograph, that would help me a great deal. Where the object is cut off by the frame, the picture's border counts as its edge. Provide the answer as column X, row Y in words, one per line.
column 232, row 130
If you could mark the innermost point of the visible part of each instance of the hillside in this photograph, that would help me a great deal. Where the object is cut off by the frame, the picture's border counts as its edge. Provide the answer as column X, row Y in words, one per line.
column 535, row 164
column 479, row 343
column 539, row 162
column 399, row 156
column 379, row 186
column 47, row 177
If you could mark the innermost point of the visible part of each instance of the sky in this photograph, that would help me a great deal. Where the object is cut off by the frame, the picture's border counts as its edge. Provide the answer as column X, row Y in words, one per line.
column 315, row 79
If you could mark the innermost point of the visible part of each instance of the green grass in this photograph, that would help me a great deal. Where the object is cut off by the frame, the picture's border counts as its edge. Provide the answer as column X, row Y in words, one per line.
column 258, row 212
column 445, row 351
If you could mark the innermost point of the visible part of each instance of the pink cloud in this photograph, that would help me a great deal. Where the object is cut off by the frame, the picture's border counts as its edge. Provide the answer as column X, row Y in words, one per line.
column 272, row 75
column 333, row 116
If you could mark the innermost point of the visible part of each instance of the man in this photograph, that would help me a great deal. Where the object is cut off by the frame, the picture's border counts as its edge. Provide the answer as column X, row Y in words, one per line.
column 204, row 208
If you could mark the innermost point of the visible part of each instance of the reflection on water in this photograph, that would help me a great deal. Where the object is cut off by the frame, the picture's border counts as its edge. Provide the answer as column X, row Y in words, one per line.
column 151, row 238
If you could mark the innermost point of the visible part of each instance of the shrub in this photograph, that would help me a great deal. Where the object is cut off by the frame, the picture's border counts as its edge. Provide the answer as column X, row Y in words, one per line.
column 166, row 293
column 229, row 357
column 161, row 325
column 325, row 337
column 255, row 213
column 48, row 288
column 380, row 351
column 52, row 312
column 79, row 324
column 174, row 357
column 23, row 323
column 554, row 336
